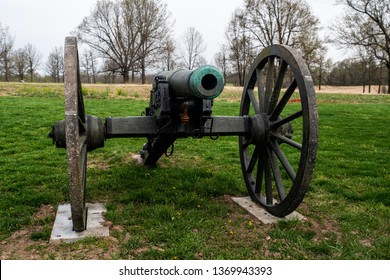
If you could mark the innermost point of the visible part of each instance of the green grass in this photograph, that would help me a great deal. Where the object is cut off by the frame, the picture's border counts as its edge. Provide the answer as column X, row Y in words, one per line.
column 180, row 210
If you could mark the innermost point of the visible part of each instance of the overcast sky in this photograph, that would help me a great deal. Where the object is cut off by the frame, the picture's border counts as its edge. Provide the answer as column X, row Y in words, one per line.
column 45, row 23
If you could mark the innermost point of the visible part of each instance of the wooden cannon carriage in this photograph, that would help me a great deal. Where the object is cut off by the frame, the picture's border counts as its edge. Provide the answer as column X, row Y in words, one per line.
column 277, row 127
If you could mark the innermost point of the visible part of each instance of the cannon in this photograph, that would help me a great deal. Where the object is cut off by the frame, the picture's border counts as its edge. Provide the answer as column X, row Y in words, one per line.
column 277, row 127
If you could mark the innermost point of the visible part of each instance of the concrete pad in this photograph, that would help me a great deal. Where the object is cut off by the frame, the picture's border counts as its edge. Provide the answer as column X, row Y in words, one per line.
column 62, row 229
column 260, row 213
column 137, row 159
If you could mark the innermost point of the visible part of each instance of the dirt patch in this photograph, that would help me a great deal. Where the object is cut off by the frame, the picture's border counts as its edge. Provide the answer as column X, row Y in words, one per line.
column 346, row 89
column 321, row 230
column 98, row 163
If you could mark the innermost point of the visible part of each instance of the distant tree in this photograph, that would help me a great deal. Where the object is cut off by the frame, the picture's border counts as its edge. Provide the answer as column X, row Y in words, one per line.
column 367, row 59
column 110, row 31
column 288, row 22
column 222, row 61
column 314, row 50
column 20, row 63
column 326, row 70
column 381, row 89
column 55, row 64
column 33, row 59
column 152, row 22
column 346, row 72
column 320, row 70
column 240, row 45
column 366, row 24
column 6, row 45
column 110, row 69
column 6, row 40
column 167, row 55
column 354, row 72
column 128, row 33
column 89, row 65
column 192, row 49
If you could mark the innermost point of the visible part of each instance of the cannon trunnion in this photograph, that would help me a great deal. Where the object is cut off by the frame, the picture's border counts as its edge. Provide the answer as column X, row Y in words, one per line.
column 277, row 139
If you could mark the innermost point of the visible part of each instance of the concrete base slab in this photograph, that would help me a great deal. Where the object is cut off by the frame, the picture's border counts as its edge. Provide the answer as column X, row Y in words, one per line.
column 260, row 213
column 137, row 159
column 63, row 228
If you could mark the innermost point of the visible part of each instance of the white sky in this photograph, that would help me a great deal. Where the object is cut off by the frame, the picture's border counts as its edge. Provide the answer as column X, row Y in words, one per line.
column 45, row 23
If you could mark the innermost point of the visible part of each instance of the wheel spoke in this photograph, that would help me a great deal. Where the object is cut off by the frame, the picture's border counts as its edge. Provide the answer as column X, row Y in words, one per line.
column 269, row 82
column 80, row 100
column 82, row 126
column 260, row 90
column 290, row 118
column 277, row 176
column 283, row 160
column 287, row 140
column 254, row 102
column 268, row 181
column 245, row 142
column 278, row 86
column 283, row 102
column 260, row 172
column 254, row 159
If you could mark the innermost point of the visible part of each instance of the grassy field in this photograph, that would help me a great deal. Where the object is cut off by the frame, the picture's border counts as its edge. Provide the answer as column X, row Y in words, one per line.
column 183, row 209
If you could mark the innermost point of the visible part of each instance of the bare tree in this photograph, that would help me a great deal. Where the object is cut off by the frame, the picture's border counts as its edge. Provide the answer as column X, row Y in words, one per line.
column 33, row 59
column 152, row 23
column 109, row 70
column 314, row 50
column 6, row 40
column 192, row 49
column 6, row 45
column 285, row 22
column 109, row 30
column 312, row 47
column 240, row 46
column 89, row 64
column 367, row 59
column 167, row 56
column 222, row 61
column 20, row 63
column 126, row 32
column 366, row 24
column 55, row 64
column 354, row 71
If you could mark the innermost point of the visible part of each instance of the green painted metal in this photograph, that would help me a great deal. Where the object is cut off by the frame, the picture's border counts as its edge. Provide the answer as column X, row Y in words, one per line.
column 205, row 82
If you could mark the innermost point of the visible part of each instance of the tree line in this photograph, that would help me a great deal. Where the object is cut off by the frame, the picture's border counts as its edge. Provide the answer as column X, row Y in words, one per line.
column 131, row 39
column 17, row 62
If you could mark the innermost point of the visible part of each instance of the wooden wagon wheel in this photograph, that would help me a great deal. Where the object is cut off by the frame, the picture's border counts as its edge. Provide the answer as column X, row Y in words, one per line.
column 278, row 157
column 76, row 135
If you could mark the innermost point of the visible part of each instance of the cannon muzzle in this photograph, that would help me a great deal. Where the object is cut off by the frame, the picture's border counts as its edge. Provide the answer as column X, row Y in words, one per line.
column 205, row 82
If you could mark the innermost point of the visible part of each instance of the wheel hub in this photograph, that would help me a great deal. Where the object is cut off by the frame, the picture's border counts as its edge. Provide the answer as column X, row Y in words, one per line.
column 259, row 129
column 95, row 133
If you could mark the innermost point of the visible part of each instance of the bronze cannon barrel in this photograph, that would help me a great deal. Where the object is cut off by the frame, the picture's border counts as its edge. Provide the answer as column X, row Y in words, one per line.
column 205, row 82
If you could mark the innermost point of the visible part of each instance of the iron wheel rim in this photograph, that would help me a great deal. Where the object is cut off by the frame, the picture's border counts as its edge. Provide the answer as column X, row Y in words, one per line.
column 76, row 135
